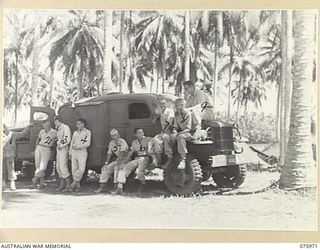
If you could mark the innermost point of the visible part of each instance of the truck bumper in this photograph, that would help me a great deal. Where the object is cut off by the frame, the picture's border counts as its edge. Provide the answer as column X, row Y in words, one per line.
column 228, row 160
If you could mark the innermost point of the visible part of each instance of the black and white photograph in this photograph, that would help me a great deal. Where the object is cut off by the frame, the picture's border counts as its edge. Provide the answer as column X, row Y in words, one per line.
column 160, row 119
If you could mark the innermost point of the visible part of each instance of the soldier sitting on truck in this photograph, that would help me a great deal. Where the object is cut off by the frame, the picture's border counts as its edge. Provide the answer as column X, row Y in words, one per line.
column 81, row 140
column 197, row 101
column 9, row 153
column 157, row 143
column 118, row 148
column 181, row 130
column 46, row 139
column 139, row 149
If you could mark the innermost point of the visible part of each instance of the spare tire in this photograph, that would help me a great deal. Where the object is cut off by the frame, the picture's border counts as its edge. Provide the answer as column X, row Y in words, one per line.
column 183, row 182
column 232, row 177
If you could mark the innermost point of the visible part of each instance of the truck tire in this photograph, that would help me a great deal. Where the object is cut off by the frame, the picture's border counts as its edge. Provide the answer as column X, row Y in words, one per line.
column 233, row 177
column 183, row 182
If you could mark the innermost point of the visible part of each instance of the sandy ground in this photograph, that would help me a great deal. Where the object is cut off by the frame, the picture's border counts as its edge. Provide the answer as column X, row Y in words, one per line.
column 214, row 208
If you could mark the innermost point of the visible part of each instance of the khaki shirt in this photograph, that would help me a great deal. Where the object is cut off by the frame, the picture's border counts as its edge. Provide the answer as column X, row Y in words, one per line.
column 182, row 121
column 81, row 139
column 140, row 148
column 166, row 119
column 198, row 97
column 9, row 142
column 64, row 135
column 116, row 147
column 47, row 139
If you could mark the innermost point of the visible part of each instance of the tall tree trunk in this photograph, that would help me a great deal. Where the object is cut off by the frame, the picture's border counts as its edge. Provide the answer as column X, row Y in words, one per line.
column 107, row 70
column 278, row 111
column 80, row 80
column 230, row 81
column 187, row 46
column 215, row 71
column 51, row 85
column 164, row 56
column 285, row 85
column 299, row 168
column 35, row 62
column 121, row 51
column 218, row 40
column 16, row 88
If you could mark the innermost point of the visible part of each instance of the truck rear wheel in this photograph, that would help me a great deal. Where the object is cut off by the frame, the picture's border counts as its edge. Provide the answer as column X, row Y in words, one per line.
column 186, row 181
column 233, row 177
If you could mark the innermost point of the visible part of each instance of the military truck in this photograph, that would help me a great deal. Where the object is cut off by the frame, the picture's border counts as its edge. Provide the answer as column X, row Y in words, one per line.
column 216, row 156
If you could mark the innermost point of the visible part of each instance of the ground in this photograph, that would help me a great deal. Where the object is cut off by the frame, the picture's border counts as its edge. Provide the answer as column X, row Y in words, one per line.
column 214, row 208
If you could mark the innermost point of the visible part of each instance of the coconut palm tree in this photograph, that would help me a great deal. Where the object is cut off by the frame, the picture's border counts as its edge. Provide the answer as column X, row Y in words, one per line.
column 299, row 168
column 81, row 54
column 242, row 66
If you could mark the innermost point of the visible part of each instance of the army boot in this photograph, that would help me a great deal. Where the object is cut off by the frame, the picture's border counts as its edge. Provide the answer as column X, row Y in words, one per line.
column 34, row 182
column 68, row 184
column 73, row 186
column 41, row 186
column 119, row 190
column 61, row 186
column 13, row 185
column 78, row 187
column 101, row 188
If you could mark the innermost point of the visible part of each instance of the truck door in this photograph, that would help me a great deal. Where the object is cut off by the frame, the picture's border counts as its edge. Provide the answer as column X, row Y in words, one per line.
column 25, row 149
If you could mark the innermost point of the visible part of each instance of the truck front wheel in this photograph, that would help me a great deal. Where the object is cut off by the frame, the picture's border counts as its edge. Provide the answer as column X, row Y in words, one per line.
column 232, row 177
column 186, row 181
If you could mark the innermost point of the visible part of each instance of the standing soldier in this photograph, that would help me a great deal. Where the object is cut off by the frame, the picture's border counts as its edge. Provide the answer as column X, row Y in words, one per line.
column 139, row 149
column 182, row 130
column 157, row 143
column 9, row 154
column 118, row 148
column 81, row 140
column 46, row 139
column 64, row 138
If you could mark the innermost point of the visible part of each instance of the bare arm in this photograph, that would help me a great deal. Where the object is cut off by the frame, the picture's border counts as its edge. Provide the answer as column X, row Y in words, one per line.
column 108, row 159
column 23, row 133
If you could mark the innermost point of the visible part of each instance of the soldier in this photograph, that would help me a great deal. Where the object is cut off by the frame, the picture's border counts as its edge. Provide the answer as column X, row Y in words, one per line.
column 81, row 140
column 9, row 154
column 198, row 102
column 158, row 144
column 118, row 148
column 139, row 149
column 64, row 138
column 182, row 130
column 46, row 139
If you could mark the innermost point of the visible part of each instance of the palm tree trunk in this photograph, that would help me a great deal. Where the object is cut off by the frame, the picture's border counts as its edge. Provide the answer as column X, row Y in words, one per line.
column 230, row 81
column 35, row 63
column 107, row 31
column 278, row 111
column 164, row 56
column 217, row 36
column 187, row 46
column 215, row 71
column 299, row 168
column 285, row 86
column 121, row 51
column 16, row 104
column 51, row 85
column 80, row 80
